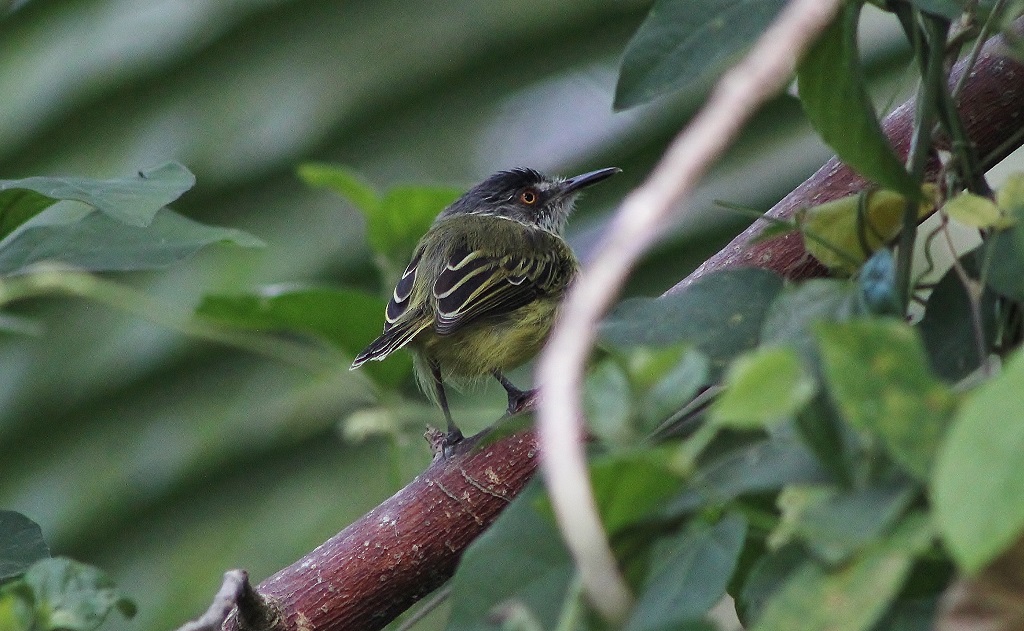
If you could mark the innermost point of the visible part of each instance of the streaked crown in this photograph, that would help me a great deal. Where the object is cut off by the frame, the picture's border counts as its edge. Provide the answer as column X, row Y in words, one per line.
column 527, row 196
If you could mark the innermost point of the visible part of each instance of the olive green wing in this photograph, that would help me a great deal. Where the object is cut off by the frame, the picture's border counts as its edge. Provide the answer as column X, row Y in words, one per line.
column 398, row 330
column 480, row 281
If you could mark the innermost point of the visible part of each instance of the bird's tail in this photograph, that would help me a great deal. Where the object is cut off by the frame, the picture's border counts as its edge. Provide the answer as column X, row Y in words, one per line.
column 392, row 339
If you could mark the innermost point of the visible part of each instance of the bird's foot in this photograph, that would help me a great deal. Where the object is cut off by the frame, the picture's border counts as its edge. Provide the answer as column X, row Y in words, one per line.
column 442, row 443
column 521, row 400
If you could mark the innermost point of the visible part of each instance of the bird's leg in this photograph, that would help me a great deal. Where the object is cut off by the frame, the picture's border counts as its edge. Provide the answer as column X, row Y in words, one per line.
column 454, row 434
column 517, row 398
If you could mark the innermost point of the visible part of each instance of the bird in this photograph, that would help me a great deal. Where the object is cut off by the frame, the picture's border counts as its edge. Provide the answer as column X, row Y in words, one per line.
column 484, row 283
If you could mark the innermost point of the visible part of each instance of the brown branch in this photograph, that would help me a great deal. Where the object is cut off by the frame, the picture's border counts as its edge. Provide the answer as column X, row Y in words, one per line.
column 370, row 572
column 992, row 107
column 406, row 547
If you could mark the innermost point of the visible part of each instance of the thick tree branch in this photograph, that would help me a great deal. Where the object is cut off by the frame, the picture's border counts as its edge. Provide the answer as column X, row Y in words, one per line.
column 367, row 574
column 377, row 567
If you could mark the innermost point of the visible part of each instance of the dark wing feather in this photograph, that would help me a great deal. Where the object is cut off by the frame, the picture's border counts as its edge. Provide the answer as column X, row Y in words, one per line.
column 397, row 331
column 476, row 284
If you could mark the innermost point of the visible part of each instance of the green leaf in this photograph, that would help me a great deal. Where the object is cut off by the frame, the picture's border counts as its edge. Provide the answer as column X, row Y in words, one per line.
column 607, row 400
column 682, row 42
column 798, row 307
column 346, row 318
column 629, row 487
column 832, row 90
column 395, row 221
column 853, row 597
column 676, row 388
column 21, row 544
column 769, row 573
column 836, row 523
column 344, row 182
column 720, row 315
column 878, row 375
column 133, row 200
column 664, row 379
column 763, row 387
column 521, row 560
column 949, row 9
column 99, row 243
column 764, row 466
column 405, row 214
column 947, row 327
column 689, row 574
column 1006, row 247
column 979, row 475
column 73, row 596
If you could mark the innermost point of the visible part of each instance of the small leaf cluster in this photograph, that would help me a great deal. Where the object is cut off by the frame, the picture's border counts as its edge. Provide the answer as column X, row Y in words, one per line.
column 54, row 228
column 40, row 593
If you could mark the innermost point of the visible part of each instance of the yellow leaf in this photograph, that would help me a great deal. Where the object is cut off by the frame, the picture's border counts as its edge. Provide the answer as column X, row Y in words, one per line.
column 844, row 233
column 974, row 210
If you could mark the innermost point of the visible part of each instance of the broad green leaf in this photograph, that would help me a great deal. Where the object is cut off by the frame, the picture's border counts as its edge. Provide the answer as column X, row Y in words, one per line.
column 405, row 214
column 979, row 474
column 348, row 319
column 396, row 220
column 18, row 206
column 607, row 401
column 1005, row 274
column 676, row 388
column 878, row 375
column 100, row 243
column 720, row 315
column 763, row 387
column 689, row 574
column 831, row 440
column 769, row 573
column 682, row 42
column 949, row 9
column 832, row 90
column 342, row 181
column 947, row 327
column 852, row 597
column 836, row 523
column 73, row 596
column 844, row 233
column 520, row 559
column 976, row 211
column 799, row 306
column 629, row 487
column 21, row 544
column 764, row 466
column 133, row 200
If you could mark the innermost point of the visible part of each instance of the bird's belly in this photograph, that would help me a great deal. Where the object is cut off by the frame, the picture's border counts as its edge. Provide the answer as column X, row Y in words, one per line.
column 496, row 344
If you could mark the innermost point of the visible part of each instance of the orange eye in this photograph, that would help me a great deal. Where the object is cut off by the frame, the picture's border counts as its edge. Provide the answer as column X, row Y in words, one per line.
column 528, row 197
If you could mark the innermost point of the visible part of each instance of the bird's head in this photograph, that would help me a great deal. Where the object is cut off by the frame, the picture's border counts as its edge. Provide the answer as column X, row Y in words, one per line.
column 527, row 196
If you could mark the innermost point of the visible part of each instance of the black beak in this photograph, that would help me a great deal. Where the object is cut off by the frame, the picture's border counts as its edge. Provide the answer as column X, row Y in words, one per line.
column 574, row 184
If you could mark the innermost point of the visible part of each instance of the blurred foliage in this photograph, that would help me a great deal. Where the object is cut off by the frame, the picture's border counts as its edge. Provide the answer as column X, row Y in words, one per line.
column 155, row 454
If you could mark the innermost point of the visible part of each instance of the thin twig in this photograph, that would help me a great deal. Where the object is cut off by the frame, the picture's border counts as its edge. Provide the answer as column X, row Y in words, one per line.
column 235, row 582
column 764, row 71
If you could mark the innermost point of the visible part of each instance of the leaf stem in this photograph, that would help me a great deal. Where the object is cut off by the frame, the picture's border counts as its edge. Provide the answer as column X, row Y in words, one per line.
column 933, row 64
